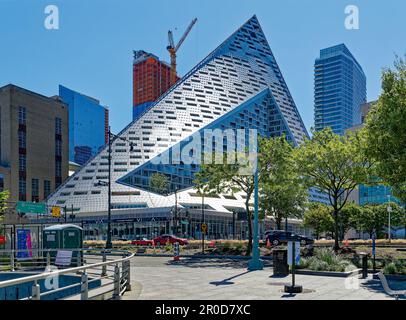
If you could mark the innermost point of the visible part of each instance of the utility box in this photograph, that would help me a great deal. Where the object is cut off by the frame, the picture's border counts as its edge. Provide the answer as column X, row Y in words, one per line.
column 61, row 240
column 280, row 263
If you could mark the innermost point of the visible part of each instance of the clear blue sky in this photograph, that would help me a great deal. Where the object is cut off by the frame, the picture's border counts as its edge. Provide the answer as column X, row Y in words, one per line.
column 92, row 50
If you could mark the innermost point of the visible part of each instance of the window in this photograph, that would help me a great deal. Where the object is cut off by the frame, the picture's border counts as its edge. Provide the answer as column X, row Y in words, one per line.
column 58, row 126
column 22, row 163
column 35, row 190
column 47, row 188
column 1, row 182
column 58, row 148
column 22, row 114
column 22, row 189
column 58, row 168
column 22, row 140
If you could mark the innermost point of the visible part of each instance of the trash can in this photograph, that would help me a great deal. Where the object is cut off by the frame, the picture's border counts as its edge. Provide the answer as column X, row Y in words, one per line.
column 280, row 262
column 60, row 238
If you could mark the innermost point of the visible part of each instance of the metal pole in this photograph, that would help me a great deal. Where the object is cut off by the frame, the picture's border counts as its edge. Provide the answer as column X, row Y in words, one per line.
column 389, row 208
column 116, row 292
column 36, row 292
column 104, row 268
column 12, row 260
column 84, row 292
column 293, row 262
column 175, row 222
column 255, row 263
column 201, row 225
column 108, row 242
column 234, row 224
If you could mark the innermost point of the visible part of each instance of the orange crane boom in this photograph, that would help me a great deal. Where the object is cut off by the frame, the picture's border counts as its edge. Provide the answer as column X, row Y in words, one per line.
column 174, row 49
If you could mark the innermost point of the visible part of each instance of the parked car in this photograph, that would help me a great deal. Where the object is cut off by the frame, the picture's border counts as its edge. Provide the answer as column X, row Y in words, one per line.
column 119, row 239
column 165, row 238
column 143, row 242
column 277, row 237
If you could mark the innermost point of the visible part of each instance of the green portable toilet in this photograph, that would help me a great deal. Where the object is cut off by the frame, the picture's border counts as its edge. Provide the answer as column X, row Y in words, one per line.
column 63, row 237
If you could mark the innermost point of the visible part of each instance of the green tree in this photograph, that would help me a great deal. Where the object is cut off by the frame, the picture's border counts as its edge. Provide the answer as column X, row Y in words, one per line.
column 318, row 217
column 344, row 221
column 159, row 183
column 375, row 218
column 4, row 195
column 386, row 129
column 282, row 193
column 227, row 177
column 335, row 165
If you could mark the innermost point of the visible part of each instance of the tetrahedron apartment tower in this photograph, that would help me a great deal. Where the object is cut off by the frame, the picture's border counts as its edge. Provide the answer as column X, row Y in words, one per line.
column 238, row 85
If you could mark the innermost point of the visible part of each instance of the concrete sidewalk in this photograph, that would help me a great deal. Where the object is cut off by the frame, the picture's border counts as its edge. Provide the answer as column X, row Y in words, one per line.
column 201, row 279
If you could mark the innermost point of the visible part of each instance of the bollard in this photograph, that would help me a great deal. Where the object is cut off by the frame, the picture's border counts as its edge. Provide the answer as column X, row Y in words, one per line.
column 84, row 291
column 116, row 292
column 176, row 251
column 364, row 258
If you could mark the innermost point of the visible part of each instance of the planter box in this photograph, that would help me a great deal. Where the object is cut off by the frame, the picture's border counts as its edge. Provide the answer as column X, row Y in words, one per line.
column 328, row 273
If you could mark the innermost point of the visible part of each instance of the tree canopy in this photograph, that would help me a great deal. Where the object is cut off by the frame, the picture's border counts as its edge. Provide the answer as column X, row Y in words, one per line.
column 318, row 217
column 386, row 129
column 335, row 165
column 282, row 193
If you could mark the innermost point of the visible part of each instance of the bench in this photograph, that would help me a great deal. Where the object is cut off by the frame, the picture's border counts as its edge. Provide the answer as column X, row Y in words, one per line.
column 388, row 290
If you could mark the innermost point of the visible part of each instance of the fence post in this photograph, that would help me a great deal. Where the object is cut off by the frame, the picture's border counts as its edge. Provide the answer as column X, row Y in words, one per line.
column 12, row 260
column 104, row 267
column 84, row 292
column 116, row 292
column 48, row 258
column 78, row 258
column 127, row 274
column 36, row 291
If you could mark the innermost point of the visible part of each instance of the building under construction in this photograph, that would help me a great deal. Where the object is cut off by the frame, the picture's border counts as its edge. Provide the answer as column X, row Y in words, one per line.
column 151, row 78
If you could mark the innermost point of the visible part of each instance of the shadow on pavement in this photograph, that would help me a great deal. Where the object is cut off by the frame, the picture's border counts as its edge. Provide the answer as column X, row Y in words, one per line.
column 375, row 285
column 227, row 281
column 214, row 263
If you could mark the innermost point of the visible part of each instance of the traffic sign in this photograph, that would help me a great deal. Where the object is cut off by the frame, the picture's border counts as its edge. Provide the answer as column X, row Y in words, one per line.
column 56, row 212
column 31, row 207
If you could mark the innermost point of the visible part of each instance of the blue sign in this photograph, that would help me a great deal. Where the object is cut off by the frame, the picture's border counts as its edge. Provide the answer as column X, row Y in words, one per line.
column 373, row 246
column 24, row 245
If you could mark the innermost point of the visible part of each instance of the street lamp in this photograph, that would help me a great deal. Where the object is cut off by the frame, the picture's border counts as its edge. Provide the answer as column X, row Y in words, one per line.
column 111, row 137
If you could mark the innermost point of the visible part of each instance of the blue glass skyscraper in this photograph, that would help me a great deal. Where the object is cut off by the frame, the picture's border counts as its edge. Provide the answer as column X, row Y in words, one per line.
column 88, row 125
column 339, row 89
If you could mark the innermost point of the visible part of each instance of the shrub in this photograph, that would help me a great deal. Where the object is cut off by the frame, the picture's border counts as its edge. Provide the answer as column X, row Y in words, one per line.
column 326, row 260
column 395, row 267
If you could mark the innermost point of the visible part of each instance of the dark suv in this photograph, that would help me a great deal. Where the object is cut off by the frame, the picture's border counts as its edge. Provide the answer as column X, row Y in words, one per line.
column 277, row 237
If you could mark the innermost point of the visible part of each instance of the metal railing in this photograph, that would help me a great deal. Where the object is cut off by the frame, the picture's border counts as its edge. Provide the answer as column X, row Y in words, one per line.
column 100, row 274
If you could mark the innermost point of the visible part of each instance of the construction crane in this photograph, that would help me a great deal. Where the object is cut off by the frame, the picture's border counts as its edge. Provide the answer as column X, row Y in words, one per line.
column 174, row 49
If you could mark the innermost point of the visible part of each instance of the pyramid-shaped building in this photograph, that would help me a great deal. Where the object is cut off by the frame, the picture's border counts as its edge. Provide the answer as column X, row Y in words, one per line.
column 237, row 86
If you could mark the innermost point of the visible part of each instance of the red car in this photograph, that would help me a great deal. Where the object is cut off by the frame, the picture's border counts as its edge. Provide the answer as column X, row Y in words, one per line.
column 165, row 238
column 143, row 242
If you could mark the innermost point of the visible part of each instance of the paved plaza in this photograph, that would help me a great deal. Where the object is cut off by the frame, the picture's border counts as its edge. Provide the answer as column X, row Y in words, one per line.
column 214, row 279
